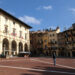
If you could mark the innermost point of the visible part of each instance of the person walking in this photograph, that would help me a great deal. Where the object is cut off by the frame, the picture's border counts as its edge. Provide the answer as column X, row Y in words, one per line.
column 54, row 58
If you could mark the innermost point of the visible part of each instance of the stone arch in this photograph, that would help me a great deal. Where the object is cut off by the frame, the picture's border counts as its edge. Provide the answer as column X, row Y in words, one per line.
column 26, row 47
column 14, row 47
column 20, row 47
column 5, row 46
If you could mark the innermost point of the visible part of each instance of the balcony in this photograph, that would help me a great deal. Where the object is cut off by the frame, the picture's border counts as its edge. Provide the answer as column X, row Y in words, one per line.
column 73, row 48
column 52, row 42
column 68, row 42
column 21, row 37
column 5, row 31
column 53, row 48
column 40, row 42
column 14, row 34
column 61, row 48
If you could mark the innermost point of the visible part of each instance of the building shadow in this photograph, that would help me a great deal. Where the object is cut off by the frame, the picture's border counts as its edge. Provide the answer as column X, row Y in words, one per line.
column 51, row 71
column 27, row 74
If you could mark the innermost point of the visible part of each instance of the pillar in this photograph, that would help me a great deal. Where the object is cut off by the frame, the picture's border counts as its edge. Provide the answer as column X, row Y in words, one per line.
column 10, row 49
column 17, row 48
column 23, row 48
column 28, row 46
column 56, row 52
column 1, row 47
column 70, row 53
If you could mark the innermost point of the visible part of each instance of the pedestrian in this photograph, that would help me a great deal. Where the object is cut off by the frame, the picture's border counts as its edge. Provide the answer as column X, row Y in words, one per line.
column 54, row 58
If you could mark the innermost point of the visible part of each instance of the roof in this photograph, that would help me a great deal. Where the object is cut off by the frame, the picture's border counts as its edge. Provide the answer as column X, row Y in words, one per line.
column 6, row 13
column 66, row 31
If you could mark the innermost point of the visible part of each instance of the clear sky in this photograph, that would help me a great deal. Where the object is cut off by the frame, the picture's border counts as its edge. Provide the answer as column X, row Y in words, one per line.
column 42, row 14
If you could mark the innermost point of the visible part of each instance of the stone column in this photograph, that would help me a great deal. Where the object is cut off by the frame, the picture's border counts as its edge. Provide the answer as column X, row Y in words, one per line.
column 28, row 46
column 57, row 53
column 10, row 49
column 70, row 53
column 1, row 47
column 17, row 48
column 23, row 47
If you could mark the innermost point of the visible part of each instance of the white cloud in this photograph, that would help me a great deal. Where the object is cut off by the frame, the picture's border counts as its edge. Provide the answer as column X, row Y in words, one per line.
column 72, row 10
column 47, row 7
column 30, row 20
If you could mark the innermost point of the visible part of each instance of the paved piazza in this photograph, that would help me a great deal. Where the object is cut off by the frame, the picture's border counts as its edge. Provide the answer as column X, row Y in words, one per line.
column 37, row 66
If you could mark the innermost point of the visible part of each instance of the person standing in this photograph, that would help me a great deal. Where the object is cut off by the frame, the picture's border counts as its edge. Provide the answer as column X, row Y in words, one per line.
column 54, row 58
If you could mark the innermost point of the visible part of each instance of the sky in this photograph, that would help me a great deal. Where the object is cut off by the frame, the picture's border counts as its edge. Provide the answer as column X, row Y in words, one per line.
column 42, row 14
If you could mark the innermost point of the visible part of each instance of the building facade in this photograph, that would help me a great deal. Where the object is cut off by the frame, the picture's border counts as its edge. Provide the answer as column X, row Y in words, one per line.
column 66, row 42
column 14, row 34
column 53, row 41
column 36, row 42
column 45, row 42
column 33, row 43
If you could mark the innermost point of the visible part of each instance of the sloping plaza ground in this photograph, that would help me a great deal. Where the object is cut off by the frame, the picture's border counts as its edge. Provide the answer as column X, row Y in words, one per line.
column 37, row 66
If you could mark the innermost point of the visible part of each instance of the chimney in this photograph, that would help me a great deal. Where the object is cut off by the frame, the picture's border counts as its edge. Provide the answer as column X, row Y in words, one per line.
column 73, row 25
column 57, row 28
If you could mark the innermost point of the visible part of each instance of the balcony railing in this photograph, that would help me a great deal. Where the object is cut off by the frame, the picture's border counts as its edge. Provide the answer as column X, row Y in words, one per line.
column 69, row 42
column 52, row 42
column 14, row 34
column 5, row 31
column 21, row 37
column 73, row 48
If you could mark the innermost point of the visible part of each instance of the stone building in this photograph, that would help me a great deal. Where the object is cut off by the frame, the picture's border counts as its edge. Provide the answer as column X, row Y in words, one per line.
column 53, row 41
column 33, row 43
column 45, row 41
column 36, row 41
column 66, row 42
column 14, row 34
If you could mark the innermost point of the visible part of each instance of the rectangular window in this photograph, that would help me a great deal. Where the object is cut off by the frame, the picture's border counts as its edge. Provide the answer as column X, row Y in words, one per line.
column 14, row 31
column 53, row 34
column 20, row 34
column 6, row 29
column 13, row 22
column 25, row 36
column 6, row 19
column 50, row 35
column 45, row 46
column 45, row 41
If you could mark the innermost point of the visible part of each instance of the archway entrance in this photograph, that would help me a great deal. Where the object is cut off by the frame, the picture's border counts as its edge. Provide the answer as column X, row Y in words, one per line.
column 26, row 48
column 20, row 47
column 5, row 46
column 14, row 47
column 73, row 53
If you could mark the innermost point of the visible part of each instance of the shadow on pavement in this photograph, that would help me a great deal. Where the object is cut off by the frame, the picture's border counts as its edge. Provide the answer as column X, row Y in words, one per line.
column 52, row 71
column 27, row 74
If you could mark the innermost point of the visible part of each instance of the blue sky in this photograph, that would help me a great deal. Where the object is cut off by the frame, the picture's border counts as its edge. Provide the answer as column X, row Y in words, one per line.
column 42, row 14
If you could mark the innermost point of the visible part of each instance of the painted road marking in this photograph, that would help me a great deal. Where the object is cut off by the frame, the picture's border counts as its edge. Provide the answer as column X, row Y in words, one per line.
column 52, row 63
column 40, row 70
